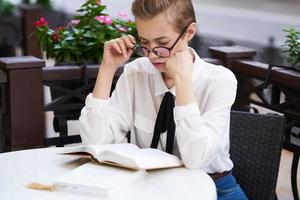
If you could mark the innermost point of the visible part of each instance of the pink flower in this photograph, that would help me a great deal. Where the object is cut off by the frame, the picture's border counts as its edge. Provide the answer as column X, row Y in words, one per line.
column 75, row 21
column 123, row 29
column 122, row 14
column 104, row 19
column 41, row 22
column 100, row 18
column 60, row 28
column 55, row 37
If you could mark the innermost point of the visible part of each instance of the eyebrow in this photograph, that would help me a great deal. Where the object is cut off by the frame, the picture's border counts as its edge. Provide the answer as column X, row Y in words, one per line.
column 156, row 39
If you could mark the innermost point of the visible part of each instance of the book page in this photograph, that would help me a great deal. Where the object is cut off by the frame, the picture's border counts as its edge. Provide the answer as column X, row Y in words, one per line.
column 98, row 178
column 130, row 156
column 112, row 147
column 96, row 149
column 149, row 158
column 79, row 151
column 140, row 158
column 154, row 159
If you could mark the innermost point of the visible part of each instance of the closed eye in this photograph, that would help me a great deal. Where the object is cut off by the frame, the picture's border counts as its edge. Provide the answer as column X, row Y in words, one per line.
column 162, row 43
column 144, row 43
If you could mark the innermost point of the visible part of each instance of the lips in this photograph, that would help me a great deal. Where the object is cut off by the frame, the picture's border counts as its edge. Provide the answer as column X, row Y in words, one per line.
column 158, row 65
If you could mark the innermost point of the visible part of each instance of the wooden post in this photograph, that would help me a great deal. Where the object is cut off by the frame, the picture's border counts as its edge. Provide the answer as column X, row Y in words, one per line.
column 229, row 54
column 3, row 81
column 30, row 14
column 24, row 116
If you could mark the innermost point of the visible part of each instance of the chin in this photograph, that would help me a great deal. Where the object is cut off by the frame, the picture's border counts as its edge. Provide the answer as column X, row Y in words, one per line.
column 162, row 70
column 159, row 67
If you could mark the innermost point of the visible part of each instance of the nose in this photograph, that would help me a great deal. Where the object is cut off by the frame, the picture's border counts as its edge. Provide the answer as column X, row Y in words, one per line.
column 151, row 52
column 152, row 55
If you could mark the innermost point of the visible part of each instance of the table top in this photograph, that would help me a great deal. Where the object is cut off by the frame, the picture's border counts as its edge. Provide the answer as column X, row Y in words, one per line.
column 20, row 168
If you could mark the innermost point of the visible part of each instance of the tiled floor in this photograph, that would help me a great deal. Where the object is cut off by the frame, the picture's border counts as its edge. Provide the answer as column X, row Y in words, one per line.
column 284, row 191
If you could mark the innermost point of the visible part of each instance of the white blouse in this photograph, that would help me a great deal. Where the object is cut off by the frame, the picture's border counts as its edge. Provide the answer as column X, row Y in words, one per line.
column 202, row 127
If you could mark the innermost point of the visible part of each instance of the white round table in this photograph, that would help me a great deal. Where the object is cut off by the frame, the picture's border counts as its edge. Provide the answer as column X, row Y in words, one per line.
column 20, row 168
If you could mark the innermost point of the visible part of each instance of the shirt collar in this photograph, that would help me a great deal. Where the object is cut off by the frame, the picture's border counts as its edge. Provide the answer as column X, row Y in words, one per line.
column 160, row 86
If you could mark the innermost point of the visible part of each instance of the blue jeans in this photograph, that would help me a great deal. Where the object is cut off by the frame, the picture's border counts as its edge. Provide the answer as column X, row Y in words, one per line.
column 228, row 189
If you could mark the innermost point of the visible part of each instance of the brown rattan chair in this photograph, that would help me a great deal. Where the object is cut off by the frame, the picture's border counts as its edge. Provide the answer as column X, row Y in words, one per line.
column 255, row 149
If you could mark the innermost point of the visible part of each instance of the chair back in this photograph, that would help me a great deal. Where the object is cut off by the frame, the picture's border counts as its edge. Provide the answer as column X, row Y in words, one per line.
column 255, row 149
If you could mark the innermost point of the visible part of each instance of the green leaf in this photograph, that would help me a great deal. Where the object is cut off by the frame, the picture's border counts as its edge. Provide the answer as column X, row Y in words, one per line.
column 84, row 42
column 57, row 46
column 70, row 38
column 88, row 34
column 91, row 44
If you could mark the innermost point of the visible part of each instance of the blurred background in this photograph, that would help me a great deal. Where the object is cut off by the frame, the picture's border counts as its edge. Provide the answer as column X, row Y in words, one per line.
column 257, row 23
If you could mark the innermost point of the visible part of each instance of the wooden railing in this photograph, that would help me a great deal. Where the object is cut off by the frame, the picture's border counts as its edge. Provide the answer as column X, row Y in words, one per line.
column 22, row 119
column 250, row 74
column 276, row 89
column 69, row 87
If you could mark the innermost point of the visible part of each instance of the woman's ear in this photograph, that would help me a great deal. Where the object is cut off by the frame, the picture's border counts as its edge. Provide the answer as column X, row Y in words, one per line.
column 191, row 31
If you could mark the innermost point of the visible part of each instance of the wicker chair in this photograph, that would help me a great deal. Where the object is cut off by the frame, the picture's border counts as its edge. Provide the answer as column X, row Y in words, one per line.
column 255, row 150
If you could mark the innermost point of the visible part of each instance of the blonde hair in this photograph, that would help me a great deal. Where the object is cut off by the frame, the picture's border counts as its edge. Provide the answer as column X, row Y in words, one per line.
column 182, row 11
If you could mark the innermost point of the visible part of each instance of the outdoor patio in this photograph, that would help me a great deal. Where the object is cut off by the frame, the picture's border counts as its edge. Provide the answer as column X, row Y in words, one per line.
column 241, row 36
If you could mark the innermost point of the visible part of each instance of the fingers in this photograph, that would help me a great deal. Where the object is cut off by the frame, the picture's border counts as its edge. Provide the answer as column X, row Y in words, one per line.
column 132, row 39
column 130, row 51
column 122, row 45
column 184, row 53
column 116, row 46
column 129, row 41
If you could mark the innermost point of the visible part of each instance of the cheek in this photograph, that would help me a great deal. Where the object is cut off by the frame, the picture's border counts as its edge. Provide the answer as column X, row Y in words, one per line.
column 179, row 48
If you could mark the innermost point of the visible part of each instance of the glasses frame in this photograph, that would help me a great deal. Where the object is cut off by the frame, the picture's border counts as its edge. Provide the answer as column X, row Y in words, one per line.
column 167, row 48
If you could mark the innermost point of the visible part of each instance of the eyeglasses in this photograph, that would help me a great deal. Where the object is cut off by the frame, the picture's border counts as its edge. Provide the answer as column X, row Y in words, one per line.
column 160, row 51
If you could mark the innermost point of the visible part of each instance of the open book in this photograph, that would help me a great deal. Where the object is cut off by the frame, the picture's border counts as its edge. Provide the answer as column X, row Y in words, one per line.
column 129, row 156
column 95, row 179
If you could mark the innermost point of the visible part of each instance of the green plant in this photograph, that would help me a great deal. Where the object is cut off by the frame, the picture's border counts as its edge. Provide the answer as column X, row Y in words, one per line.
column 6, row 8
column 293, row 47
column 82, row 40
column 45, row 3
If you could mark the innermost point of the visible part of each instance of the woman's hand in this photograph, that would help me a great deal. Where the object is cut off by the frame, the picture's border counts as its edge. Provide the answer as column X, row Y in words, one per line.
column 117, row 52
column 180, row 66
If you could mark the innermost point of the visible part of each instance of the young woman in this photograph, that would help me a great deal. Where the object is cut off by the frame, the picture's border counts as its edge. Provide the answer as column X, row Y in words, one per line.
column 169, row 99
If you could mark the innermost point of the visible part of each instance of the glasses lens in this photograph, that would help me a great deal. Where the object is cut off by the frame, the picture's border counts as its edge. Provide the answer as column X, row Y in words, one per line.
column 161, row 52
column 141, row 51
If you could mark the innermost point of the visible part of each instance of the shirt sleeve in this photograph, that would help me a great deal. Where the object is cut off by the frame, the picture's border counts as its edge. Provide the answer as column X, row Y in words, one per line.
column 201, row 136
column 107, row 121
